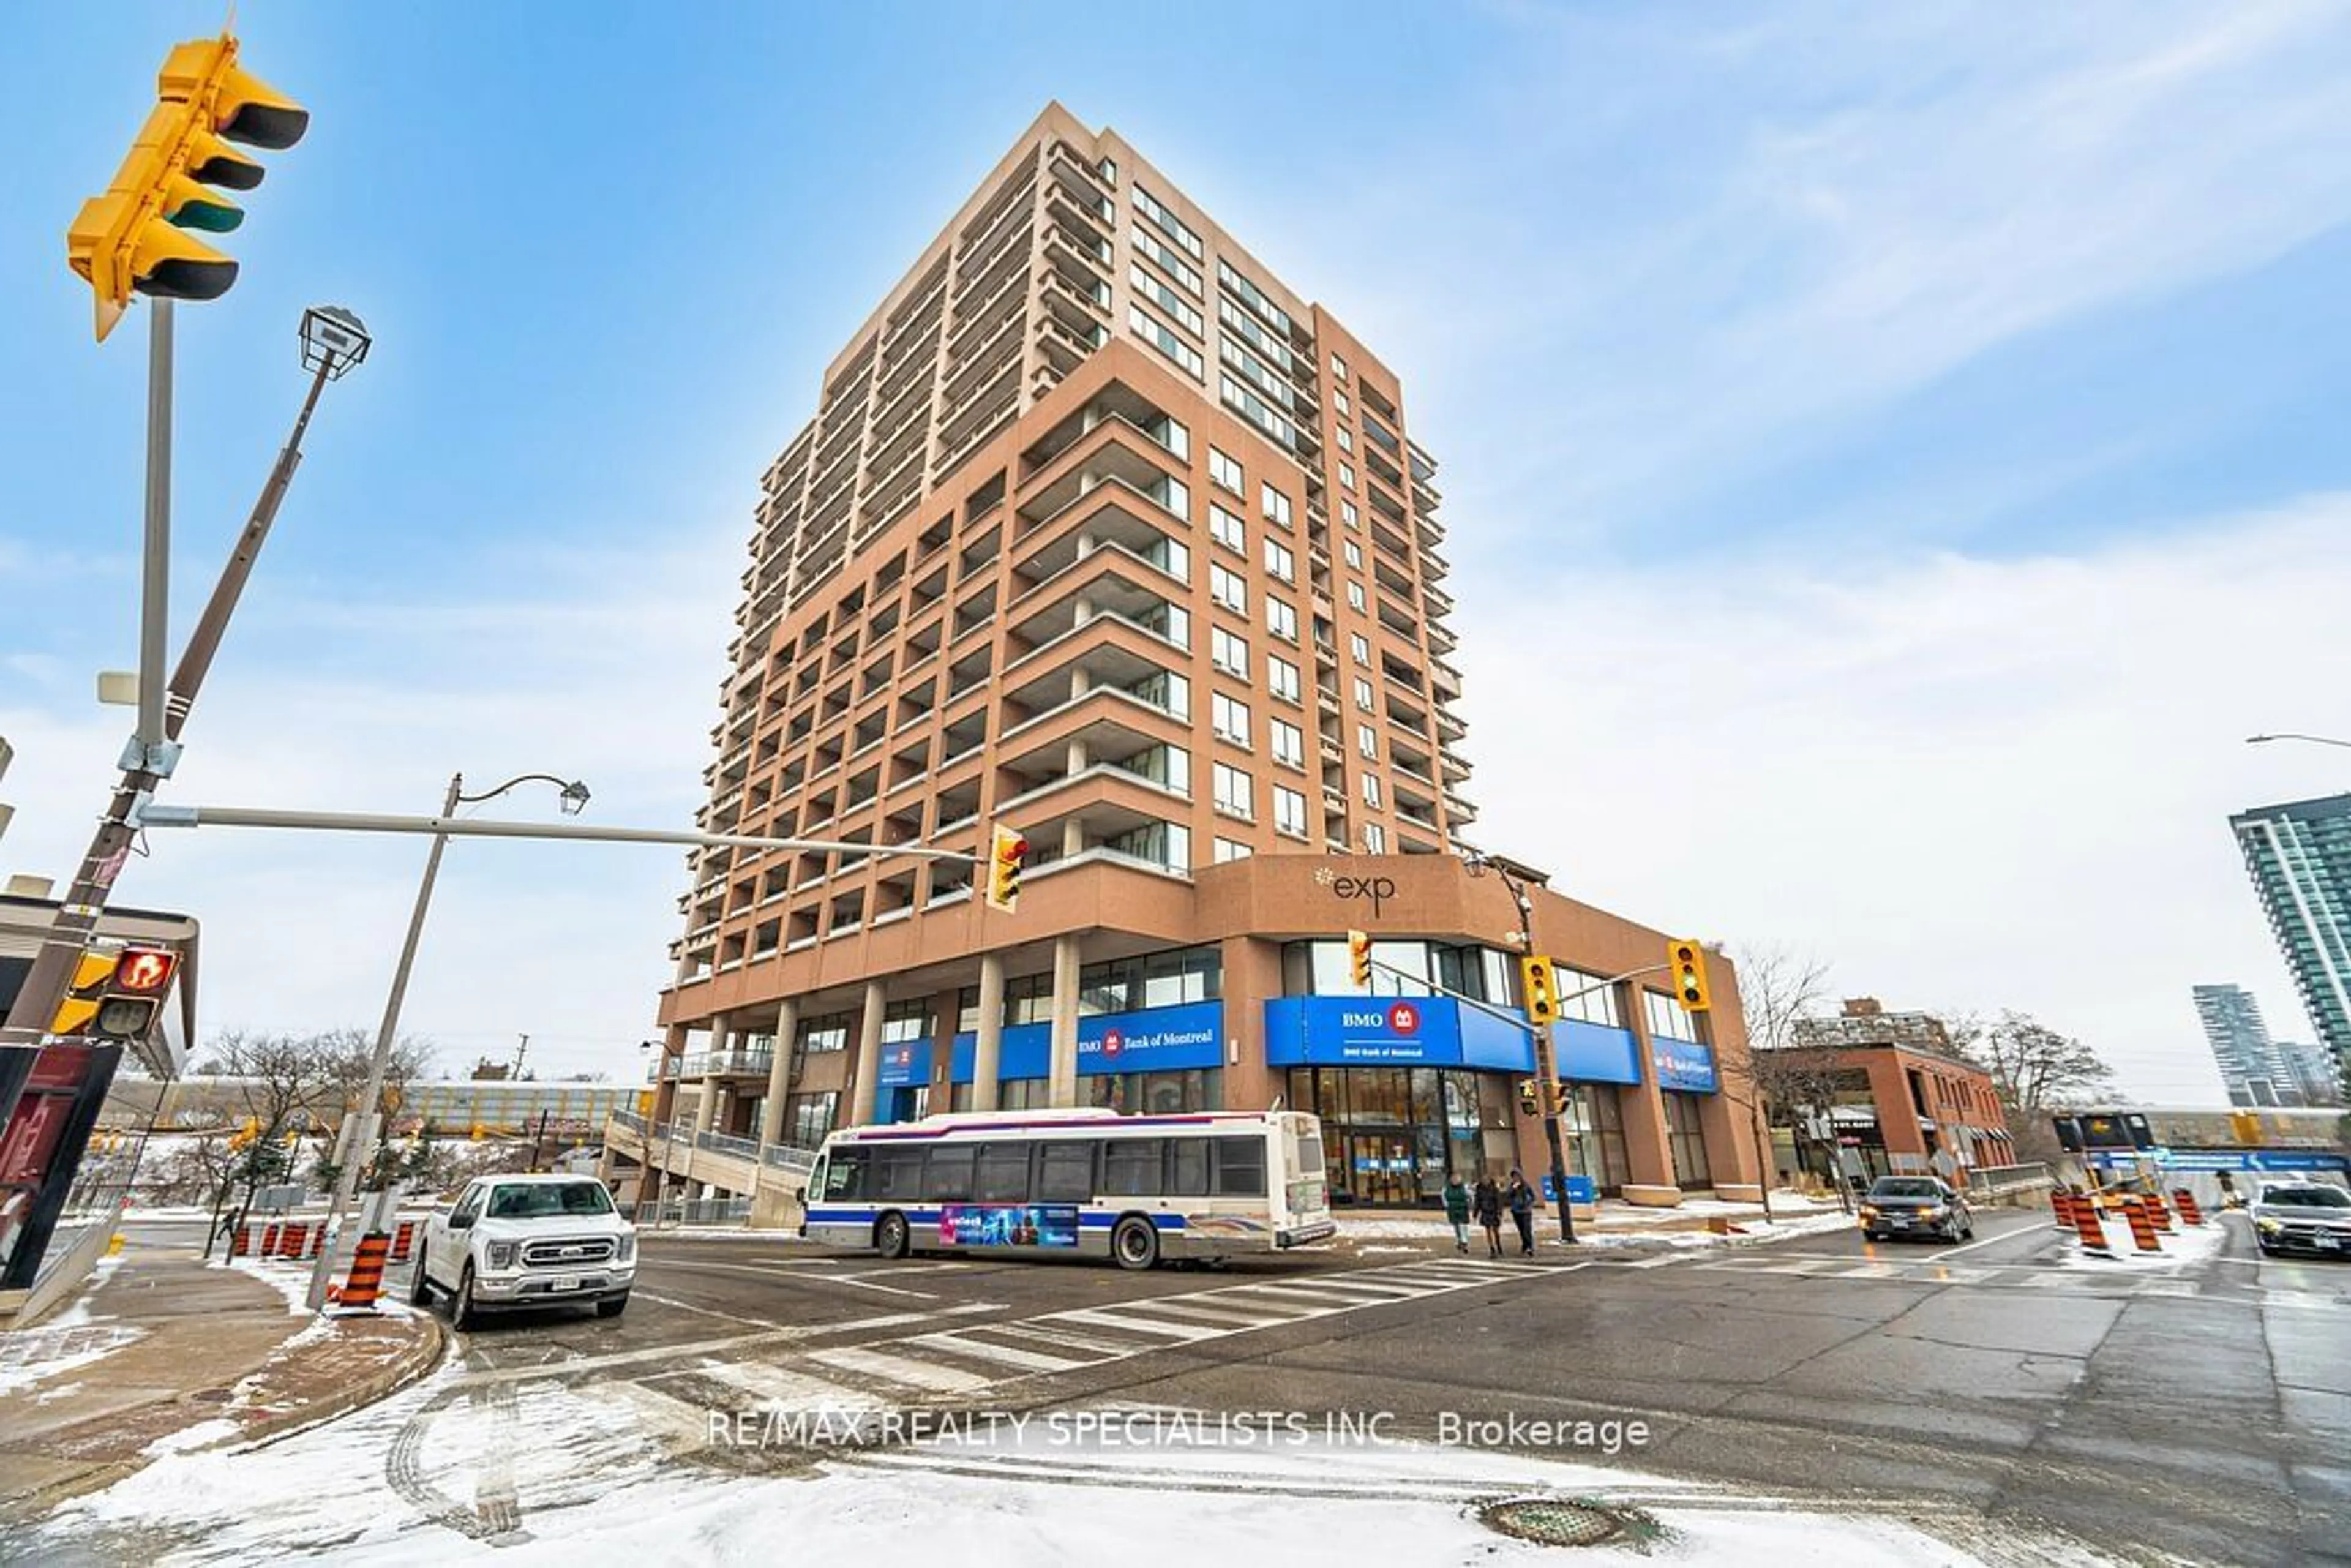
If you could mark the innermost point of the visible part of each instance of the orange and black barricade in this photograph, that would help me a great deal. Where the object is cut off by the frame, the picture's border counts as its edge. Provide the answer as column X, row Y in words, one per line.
column 361, row 1290
column 401, row 1239
column 2158, row 1211
column 2060, row 1204
column 2190, row 1209
column 2091, row 1228
column 2142, row 1225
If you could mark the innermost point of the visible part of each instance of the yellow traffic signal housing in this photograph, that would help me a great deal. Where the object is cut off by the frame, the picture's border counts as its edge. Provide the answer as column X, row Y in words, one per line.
column 1005, row 852
column 1530, row 1097
column 132, row 239
column 1359, row 959
column 2245, row 1126
column 1687, row 962
column 1539, row 986
column 75, row 1014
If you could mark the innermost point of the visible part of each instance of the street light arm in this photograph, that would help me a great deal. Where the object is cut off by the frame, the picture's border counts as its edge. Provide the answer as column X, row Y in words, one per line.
column 2313, row 739
column 569, row 786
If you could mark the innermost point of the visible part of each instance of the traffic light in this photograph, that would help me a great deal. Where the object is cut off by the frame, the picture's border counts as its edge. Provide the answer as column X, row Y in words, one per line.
column 1530, row 1097
column 1005, row 849
column 1359, row 959
column 115, row 992
column 1539, row 986
column 1688, row 962
column 2245, row 1126
column 130, row 239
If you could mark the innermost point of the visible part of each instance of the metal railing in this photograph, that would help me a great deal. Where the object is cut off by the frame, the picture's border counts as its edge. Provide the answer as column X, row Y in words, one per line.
column 788, row 1157
column 727, row 1143
column 1992, row 1180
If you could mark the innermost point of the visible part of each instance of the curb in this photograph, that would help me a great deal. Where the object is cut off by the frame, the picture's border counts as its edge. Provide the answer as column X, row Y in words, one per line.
column 420, row 1358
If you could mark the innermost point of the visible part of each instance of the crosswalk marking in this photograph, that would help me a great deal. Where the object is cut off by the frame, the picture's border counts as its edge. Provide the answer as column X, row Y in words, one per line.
column 962, row 1344
column 780, row 1387
column 1249, row 1314
column 1102, row 1317
column 905, row 1371
column 1052, row 1335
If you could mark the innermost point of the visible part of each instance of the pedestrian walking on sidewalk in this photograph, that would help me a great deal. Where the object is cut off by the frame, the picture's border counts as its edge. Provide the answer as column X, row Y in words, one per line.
column 1456, row 1211
column 1522, row 1213
column 1487, row 1201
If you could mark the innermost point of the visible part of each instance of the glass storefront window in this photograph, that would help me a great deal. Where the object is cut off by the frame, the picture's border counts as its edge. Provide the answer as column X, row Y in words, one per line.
column 1688, row 1140
column 1391, row 1134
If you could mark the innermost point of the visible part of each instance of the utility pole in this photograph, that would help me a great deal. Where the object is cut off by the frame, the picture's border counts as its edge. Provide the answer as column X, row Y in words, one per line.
column 519, row 1052
column 333, row 341
column 1546, row 1066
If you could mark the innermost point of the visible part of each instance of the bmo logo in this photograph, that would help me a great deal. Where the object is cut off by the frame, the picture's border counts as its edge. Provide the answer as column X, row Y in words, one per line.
column 1112, row 1042
column 1404, row 1018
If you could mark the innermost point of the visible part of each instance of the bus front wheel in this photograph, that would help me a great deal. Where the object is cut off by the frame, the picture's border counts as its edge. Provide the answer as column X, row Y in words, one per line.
column 1134, row 1242
column 891, row 1237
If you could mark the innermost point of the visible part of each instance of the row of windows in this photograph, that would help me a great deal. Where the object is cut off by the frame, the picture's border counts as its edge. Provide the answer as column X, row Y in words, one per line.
column 1169, row 224
column 1160, row 336
column 1072, row 1170
column 1151, row 247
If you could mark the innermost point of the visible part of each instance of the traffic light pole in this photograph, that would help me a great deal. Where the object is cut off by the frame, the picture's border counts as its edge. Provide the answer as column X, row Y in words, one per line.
column 144, row 766
column 155, row 567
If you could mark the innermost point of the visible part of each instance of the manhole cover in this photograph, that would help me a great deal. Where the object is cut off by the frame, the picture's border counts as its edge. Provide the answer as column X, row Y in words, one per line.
column 213, row 1395
column 1560, row 1522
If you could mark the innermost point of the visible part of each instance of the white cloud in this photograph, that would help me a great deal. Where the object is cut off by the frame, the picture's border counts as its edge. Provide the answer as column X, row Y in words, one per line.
column 1966, row 783
column 605, row 668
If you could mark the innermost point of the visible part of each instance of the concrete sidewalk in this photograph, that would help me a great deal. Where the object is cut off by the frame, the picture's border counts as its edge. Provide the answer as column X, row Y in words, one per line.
column 165, row 1352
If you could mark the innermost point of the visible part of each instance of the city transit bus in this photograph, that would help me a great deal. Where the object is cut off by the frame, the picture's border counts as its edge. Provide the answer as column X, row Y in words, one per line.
column 1076, row 1183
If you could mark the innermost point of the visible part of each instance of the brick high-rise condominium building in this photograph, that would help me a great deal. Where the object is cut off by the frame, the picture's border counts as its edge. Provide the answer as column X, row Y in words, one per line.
column 1103, row 531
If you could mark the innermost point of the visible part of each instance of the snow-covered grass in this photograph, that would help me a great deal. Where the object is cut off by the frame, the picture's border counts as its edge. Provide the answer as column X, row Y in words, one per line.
column 33, row 1355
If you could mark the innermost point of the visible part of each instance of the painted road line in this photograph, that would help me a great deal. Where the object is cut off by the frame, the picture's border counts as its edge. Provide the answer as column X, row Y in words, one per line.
column 983, row 1350
column 1050, row 1335
column 930, row 1378
column 1106, row 1319
column 672, row 1352
column 776, row 1387
column 1240, row 1314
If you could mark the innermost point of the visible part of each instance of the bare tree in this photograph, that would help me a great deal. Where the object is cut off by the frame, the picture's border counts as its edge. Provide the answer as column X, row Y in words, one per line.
column 1777, row 989
column 2035, row 1071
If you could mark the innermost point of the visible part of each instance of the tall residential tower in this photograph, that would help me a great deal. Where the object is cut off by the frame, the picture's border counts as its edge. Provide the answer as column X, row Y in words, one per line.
column 1104, row 531
column 2300, row 857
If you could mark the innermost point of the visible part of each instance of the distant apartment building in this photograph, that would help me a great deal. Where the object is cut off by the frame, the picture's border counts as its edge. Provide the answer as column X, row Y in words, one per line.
column 1900, row 1100
column 2299, row 855
column 2313, row 1070
column 2250, row 1069
column 1104, row 532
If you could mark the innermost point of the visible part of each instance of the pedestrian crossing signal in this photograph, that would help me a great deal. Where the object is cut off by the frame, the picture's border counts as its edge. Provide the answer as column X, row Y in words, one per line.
column 1530, row 1097
column 1687, row 962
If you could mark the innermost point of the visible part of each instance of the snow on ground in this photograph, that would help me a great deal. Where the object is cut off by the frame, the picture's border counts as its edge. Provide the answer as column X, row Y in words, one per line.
column 2182, row 1245
column 33, row 1355
column 534, row 1472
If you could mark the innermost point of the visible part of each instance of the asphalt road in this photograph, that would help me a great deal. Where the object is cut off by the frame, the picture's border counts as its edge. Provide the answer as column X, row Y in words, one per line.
column 2000, row 1392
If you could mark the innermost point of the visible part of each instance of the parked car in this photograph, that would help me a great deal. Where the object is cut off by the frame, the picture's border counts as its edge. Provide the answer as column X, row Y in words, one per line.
column 528, row 1241
column 2304, row 1216
column 1915, row 1206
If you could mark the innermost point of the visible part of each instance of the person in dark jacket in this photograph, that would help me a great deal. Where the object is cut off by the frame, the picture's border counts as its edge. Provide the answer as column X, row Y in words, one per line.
column 1487, row 1202
column 1457, row 1212
column 1521, row 1199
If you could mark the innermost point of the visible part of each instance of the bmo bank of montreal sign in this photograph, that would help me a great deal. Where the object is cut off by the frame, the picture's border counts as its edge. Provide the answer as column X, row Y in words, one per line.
column 1388, row 1031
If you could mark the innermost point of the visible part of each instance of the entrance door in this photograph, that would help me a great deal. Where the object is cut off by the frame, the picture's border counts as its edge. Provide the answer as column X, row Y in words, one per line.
column 1381, row 1168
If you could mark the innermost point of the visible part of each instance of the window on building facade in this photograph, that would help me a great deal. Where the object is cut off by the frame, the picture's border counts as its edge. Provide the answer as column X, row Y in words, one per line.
column 1338, row 369
column 1228, row 652
column 1372, row 789
column 1281, row 677
column 1350, row 516
column 1226, row 586
column 1162, row 337
column 1275, row 505
column 1231, row 718
column 1367, row 741
column 1281, row 618
column 1346, row 476
column 1289, row 810
column 1224, row 471
column 1346, row 441
column 1289, row 743
column 1228, row 529
column 1375, row 838
column 1364, row 695
column 1228, row 850
column 1361, row 647
column 1354, row 554
column 1234, row 793
column 1355, row 598
column 1666, row 1018
column 1279, row 561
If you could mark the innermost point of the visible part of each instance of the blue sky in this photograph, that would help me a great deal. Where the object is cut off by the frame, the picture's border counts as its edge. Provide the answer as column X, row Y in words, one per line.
column 1912, row 447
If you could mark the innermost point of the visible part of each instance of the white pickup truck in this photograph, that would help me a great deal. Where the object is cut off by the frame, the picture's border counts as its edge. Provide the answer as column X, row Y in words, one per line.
column 528, row 1241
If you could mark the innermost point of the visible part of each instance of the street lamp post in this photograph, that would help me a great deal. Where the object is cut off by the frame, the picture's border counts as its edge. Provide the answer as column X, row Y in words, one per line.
column 362, row 1151
column 333, row 341
column 2313, row 739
